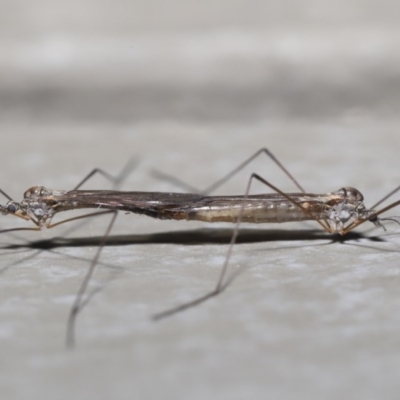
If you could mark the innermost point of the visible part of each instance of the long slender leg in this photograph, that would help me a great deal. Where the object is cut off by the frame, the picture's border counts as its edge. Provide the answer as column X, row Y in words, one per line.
column 220, row 283
column 246, row 162
column 226, row 178
column 5, row 195
column 386, row 197
column 116, row 180
column 77, row 305
column 116, row 183
column 381, row 211
column 19, row 229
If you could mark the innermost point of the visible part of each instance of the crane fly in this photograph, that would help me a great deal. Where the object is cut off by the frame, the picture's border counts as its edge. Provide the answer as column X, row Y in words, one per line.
column 339, row 212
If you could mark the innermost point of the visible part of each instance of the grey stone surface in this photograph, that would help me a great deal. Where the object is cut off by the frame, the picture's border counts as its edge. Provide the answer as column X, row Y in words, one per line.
column 192, row 89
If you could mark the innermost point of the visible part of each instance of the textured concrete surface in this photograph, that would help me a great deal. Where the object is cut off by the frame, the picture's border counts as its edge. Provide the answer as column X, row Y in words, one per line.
column 192, row 90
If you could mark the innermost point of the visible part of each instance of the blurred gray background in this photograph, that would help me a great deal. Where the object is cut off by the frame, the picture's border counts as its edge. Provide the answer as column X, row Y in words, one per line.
column 198, row 61
column 192, row 89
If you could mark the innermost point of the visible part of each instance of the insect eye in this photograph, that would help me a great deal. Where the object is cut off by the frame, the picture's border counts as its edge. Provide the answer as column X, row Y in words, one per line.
column 352, row 193
column 374, row 218
column 32, row 192
column 12, row 208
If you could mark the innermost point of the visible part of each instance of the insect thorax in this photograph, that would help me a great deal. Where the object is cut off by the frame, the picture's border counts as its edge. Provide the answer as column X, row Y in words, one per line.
column 345, row 213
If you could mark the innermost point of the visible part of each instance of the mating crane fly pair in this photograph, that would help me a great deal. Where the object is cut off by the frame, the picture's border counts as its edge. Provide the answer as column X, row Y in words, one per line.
column 337, row 212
